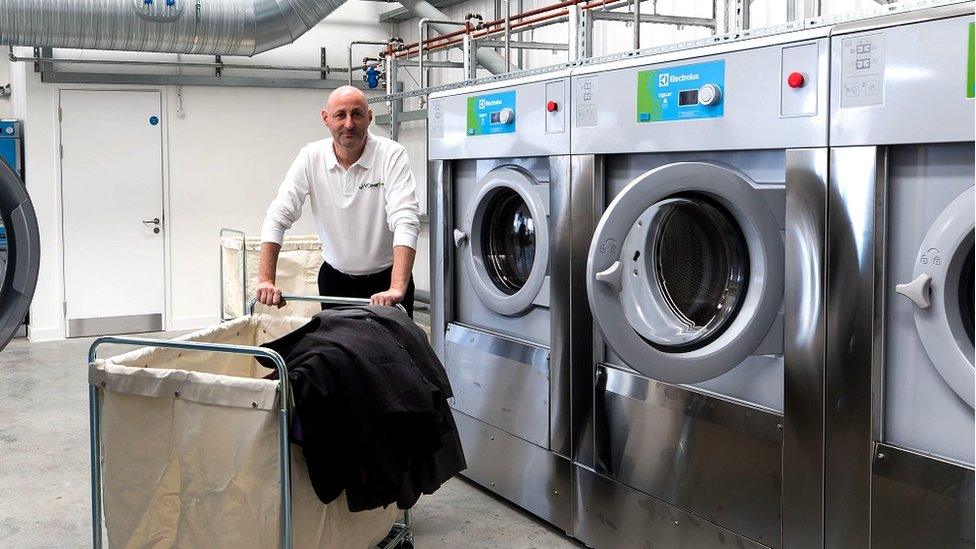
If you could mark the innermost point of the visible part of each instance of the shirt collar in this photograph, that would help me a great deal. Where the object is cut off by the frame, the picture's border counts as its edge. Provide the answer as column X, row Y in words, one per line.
column 365, row 159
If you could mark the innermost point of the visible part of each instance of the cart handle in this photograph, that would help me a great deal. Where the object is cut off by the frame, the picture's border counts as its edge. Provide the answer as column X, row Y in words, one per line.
column 332, row 300
column 284, row 448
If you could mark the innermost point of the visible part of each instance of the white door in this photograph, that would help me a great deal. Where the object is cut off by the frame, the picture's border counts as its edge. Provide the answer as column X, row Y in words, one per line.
column 112, row 202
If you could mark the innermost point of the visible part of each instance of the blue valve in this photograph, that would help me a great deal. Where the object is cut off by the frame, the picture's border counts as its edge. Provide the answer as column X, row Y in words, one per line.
column 170, row 2
column 372, row 77
column 148, row 2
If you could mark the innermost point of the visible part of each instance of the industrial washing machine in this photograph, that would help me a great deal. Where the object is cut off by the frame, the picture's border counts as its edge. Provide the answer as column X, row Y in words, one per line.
column 698, row 391
column 499, row 167
column 900, row 383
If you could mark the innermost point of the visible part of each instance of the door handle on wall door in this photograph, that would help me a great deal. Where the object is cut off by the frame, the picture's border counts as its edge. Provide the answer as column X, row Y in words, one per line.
column 154, row 221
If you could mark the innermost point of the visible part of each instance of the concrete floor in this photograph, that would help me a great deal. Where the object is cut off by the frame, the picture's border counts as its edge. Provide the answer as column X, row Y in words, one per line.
column 44, row 465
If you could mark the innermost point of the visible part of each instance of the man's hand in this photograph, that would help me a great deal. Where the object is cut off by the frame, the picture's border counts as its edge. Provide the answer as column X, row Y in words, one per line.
column 270, row 295
column 388, row 298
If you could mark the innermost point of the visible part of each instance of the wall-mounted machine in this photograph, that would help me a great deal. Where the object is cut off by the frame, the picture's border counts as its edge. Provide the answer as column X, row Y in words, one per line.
column 704, row 175
column 499, row 161
column 900, row 377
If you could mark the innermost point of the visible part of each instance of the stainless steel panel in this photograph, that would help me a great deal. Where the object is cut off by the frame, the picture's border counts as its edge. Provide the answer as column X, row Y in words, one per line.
column 441, row 254
column 751, row 117
column 615, row 516
column 587, row 202
column 560, row 308
column 709, row 456
column 129, row 324
column 500, row 381
column 803, row 302
column 918, row 501
column 855, row 206
column 533, row 478
column 920, row 60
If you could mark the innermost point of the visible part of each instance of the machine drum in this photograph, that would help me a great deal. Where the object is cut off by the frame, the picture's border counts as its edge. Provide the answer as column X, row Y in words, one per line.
column 701, row 264
column 508, row 240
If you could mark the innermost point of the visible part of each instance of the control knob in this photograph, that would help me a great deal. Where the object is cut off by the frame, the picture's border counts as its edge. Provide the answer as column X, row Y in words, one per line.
column 709, row 94
column 506, row 115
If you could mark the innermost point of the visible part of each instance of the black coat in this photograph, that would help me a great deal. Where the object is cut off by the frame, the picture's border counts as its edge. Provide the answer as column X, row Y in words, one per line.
column 371, row 406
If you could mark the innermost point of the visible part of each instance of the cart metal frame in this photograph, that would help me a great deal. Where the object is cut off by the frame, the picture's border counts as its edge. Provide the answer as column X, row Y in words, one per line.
column 401, row 533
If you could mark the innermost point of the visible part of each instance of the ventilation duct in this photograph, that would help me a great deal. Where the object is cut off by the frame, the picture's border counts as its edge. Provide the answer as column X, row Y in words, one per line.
column 210, row 27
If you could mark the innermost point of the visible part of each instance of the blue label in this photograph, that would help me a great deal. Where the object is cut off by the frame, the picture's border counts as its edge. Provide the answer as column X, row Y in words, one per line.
column 673, row 93
column 154, row 120
column 485, row 114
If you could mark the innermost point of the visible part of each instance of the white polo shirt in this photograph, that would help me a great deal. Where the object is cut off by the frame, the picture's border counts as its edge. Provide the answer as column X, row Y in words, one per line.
column 359, row 213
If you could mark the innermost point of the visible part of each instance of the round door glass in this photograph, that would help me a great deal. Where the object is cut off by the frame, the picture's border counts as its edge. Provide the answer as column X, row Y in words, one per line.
column 967, row 295
column 508, row 240
column 697, row 268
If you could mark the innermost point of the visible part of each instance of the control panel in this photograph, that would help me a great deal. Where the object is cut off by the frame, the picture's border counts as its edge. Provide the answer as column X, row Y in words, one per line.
column 682, row 92
column 862, row 71
column 524, row 117
column 492, row 113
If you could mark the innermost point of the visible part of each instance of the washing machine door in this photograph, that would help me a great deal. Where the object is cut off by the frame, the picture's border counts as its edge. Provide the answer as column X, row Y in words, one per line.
column 943, row 294
column 18, row 253
column 685, row 272
column 503, row 242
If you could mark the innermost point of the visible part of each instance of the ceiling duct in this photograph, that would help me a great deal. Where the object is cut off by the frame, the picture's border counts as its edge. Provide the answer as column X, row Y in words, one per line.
column 210, row 27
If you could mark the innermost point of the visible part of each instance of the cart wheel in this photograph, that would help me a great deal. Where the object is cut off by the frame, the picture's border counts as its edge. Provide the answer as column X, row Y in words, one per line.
column 406, row 544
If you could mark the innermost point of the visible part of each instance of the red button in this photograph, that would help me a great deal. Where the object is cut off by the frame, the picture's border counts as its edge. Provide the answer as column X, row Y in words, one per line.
column 795, row 80
column 552, row 106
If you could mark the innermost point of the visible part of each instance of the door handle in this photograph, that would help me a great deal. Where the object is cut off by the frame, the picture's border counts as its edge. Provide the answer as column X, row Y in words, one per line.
column 918, row 290
column 153, row 221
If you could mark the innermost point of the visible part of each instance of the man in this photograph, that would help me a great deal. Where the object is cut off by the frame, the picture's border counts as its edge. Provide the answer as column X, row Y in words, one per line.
column 364, row 205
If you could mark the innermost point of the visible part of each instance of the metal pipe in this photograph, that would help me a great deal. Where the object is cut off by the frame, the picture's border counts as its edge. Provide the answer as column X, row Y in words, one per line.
column 199, row 64
column 656, row 19
column 508, row 32
column 362, row 43
column 556, row 46
column 214, row 27
column 284, row 447
column 560, row 16
column 637, row 23
column 421, row 30
column 500, row 22
column 487, row 58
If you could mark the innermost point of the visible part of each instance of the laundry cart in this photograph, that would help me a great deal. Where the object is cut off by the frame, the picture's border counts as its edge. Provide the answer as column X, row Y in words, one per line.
column 296, row 273
column 189, row 447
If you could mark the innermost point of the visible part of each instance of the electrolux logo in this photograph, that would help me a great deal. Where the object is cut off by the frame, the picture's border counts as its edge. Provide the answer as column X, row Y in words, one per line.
column 662, row 80
column 683, row 77
column 484, row 103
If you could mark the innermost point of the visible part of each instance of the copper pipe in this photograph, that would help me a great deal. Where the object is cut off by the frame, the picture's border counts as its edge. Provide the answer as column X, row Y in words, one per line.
column 499, row 22
column 445, row 41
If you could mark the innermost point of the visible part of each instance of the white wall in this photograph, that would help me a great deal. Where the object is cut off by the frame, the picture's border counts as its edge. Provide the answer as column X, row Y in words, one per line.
column 226, row 157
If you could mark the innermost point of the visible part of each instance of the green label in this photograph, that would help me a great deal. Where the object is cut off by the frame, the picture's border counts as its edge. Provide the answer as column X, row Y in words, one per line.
column 472, row 113
column 971, row 71
column 647, row 95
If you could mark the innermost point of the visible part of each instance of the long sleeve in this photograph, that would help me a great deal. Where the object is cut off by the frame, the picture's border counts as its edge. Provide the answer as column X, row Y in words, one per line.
column 286, row 208
column 402, row 206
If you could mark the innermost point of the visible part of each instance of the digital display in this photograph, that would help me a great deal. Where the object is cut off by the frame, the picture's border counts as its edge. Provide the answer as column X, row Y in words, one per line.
column 496, row 117
column 687, row 97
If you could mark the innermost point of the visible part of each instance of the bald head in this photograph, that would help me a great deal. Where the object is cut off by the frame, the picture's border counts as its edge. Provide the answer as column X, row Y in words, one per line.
column 348, row 116
column 346, row 94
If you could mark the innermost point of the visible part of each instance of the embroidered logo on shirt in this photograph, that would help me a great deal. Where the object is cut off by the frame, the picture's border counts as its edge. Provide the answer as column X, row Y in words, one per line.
column 376, row 185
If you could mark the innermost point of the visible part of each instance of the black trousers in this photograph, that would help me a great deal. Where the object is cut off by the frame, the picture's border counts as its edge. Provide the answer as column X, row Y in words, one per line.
column 333, row 282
